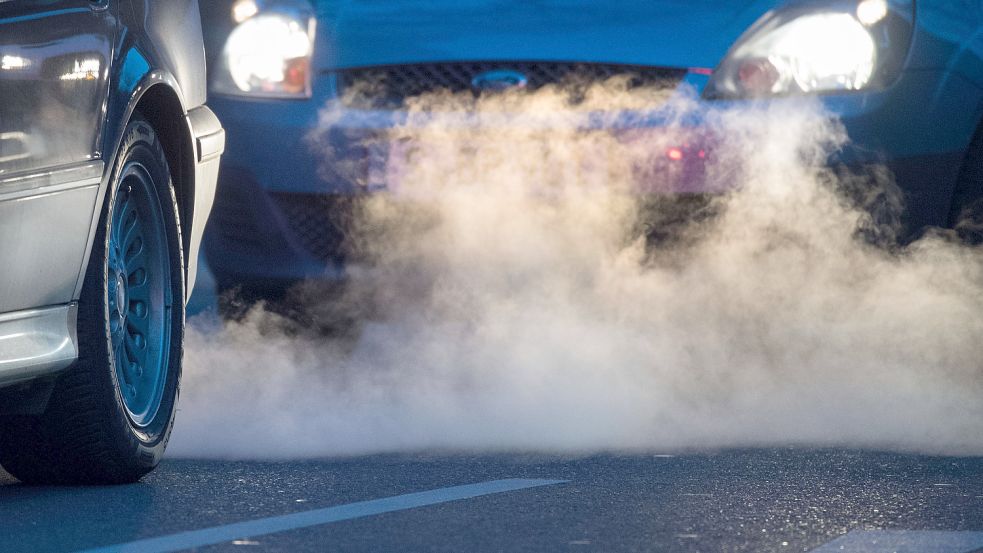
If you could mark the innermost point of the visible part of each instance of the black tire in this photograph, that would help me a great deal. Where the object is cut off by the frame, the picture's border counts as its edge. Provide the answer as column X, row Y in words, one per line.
column 86, row 434
column 966, row 216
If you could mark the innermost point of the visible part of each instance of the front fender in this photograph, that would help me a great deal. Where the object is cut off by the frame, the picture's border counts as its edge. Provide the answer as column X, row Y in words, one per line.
column 146, row 58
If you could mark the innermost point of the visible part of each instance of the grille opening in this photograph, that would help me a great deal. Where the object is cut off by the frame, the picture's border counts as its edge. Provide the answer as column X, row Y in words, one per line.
column 388, row 87
column 320, row 222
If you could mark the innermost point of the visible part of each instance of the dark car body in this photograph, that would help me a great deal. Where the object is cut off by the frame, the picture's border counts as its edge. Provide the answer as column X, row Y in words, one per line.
column 272, row 221
column 72, row 75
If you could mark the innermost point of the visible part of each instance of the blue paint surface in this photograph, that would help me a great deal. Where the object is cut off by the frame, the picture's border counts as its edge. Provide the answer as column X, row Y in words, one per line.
column 671, row 33
column 904, row 541
column 42, row 15
column 264, row 526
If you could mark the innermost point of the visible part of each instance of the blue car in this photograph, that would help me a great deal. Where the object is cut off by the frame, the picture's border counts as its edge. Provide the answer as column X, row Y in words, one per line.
column 904, row 76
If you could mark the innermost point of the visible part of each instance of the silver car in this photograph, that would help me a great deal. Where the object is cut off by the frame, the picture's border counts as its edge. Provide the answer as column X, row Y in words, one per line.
column 108, row 163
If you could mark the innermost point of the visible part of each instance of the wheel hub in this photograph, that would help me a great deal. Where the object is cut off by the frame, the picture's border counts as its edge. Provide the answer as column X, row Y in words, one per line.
column 120, row 295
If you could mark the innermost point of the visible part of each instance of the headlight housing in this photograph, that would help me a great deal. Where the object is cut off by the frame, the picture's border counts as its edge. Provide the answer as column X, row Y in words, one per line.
column 268, row 54
column 817, row 47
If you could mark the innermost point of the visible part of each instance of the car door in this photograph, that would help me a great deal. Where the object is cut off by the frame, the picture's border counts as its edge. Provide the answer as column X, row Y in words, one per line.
column 54, row 68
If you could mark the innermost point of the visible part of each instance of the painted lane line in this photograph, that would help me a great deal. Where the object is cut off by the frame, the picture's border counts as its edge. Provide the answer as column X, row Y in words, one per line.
column 904, row 541
column 317, row 517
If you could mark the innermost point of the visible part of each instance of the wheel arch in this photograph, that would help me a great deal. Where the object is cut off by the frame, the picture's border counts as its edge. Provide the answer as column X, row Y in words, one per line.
column 157, row 98
column 162, row 108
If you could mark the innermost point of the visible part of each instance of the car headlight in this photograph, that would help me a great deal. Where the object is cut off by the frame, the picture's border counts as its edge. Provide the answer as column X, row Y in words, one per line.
column 268, row 54
column 816, row 47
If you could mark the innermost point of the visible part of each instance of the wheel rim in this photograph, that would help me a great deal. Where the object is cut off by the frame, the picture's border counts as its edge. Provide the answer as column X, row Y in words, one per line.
column 139, row 295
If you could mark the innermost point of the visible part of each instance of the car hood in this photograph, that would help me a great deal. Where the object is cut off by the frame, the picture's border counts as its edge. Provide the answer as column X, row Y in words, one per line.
column 669, row 33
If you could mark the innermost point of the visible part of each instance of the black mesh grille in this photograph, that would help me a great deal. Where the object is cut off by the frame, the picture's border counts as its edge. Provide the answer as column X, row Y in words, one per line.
column 389, row 86
column 320, row 222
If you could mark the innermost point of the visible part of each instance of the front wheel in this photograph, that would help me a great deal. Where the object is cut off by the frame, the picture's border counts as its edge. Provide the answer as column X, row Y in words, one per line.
column 110, row 415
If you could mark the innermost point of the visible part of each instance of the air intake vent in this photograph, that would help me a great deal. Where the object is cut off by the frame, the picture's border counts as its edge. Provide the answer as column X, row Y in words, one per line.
column 387, row 87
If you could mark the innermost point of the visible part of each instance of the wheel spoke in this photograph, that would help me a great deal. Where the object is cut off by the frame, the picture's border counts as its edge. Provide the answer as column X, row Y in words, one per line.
column 129, row 343
column 138, row 288
column 123, row 208
column 128, row 228
column 138, row 325
column 135, row 251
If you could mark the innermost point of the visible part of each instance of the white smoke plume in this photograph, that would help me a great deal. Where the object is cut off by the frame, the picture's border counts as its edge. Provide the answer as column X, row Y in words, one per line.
column 507, row 299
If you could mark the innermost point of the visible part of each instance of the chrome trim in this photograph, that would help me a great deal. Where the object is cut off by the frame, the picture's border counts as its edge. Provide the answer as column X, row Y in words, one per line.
column 208, row 132
column 211, row 146
column 37, row 342
column 54, row 180
column 13, row 136
column 497, row 80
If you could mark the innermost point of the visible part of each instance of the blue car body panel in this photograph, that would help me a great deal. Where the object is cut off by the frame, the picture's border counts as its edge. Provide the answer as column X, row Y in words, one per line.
column 920, row 125
column 672, row 33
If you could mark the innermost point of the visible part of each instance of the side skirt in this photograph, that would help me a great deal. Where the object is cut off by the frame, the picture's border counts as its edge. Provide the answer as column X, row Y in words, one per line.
column 37, row 343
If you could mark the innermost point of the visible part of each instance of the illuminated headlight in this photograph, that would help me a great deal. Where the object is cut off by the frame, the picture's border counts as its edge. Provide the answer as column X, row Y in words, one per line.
column 269, row 53
column 838, row 46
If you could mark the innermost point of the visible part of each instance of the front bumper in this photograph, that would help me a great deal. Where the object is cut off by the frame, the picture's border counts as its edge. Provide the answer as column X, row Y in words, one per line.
column 208, row 140
column 276, row 217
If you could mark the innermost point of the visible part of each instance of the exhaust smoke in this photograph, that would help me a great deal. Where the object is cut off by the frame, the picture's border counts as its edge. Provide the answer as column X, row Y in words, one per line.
column 532, row 282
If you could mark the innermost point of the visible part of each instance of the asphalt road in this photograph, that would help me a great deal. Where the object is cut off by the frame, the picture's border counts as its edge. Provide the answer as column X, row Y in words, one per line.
column 746, row 500
column 763, row 500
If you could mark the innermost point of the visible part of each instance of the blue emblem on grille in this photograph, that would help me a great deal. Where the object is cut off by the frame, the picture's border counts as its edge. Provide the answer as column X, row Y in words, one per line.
column 498, row 80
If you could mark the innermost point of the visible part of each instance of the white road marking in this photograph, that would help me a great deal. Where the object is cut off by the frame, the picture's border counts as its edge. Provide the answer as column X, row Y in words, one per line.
column 271, row 525
column 904, row 541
